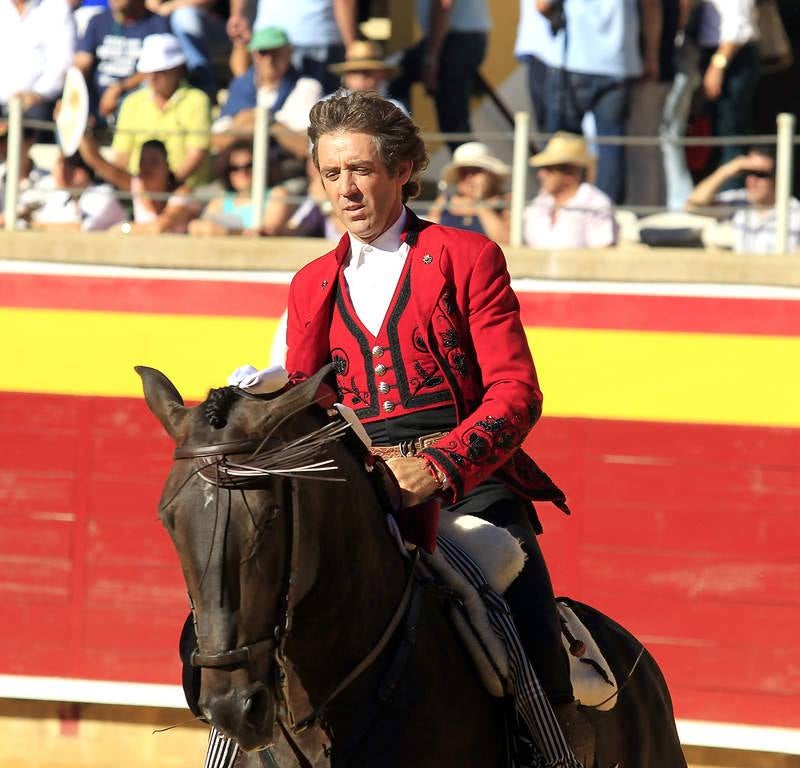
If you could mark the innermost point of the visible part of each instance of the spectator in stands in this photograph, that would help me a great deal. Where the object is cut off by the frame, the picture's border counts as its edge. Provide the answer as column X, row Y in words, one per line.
column 446, row 60
column 475, row 199
column 167, row 108
column 77, row 202
column 319, row 31
column 601, row 58
column 755, row 221
column 109, row 51
column 290, row 98
column 535, row 47
column 568, row 212
column 314, row 216
column 82, row 12
column 159, row 203
column 364, row 69
column 233, row 212
column 197, row 27
column 725, row 32
column 34, row 182
column 37, row 42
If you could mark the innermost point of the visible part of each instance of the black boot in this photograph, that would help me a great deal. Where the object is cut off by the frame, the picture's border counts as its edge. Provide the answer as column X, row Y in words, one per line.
column 578, row 731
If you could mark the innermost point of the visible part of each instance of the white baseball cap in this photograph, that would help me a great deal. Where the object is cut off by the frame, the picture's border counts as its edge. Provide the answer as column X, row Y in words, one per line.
column 160, row 52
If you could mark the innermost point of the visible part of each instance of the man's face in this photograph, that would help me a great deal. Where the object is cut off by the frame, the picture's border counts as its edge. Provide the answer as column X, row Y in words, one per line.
column 364, row 80
column 759, row 180
column 555, row 179
column 272, row 65
column 126, row 7
column 166, row 82
column 364, row 196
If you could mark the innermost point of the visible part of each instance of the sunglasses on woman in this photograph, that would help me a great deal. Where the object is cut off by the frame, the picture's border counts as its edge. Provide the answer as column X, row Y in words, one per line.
column 241, row 167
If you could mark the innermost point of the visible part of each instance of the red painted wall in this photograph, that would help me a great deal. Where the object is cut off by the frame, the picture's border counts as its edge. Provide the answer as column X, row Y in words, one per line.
column 682, row 533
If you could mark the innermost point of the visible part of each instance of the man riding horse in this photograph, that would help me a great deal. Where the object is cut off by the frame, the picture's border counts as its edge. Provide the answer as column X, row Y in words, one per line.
column 424, row 330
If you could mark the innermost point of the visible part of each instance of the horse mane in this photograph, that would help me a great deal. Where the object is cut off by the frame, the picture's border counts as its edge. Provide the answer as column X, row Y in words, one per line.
column 217, row 406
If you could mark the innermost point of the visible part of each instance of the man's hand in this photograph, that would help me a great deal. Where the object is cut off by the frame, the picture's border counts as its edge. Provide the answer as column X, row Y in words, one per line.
column 753, row 163
column 712, row 82
column 30, row 99
column 238, row 28
column 110, row 99
column 415, row 479
column 650, row 69
column 429, row 74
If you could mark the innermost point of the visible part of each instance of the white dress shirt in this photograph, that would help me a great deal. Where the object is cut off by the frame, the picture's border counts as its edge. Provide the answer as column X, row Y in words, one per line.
column 96, row 209
column 36, row 48
column 586, row 220
column 372, row 272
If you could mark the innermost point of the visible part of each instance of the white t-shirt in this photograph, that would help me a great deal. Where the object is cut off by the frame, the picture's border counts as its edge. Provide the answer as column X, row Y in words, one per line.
column 727, row 21
column 755, row 229
column 585, row 221
column 96, row 209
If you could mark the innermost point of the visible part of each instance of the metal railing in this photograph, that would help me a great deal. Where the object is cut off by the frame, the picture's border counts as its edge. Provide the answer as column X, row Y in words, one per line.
column 522, row 137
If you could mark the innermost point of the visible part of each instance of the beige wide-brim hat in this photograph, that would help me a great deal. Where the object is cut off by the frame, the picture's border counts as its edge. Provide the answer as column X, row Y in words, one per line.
column 364, row 56
column 564, row 149
column 474, row 154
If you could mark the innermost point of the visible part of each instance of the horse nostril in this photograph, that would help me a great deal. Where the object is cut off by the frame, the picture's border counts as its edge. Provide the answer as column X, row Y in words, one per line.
column 256, row 707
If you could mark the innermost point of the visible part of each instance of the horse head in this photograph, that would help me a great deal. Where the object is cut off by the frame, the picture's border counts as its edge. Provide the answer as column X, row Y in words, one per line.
column 229, row 504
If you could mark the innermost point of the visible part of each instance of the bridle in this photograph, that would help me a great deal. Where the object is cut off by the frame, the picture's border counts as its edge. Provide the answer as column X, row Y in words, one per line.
column 263, row 463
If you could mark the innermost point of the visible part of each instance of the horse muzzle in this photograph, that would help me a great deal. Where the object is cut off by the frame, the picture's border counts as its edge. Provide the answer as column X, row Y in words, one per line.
column 246, row 715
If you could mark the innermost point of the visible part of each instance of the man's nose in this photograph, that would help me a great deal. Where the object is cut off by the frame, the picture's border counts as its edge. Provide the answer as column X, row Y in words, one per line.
column 347, row 185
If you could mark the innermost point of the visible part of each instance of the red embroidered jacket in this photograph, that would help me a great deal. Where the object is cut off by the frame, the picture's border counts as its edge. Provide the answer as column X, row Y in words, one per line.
column 465, row 307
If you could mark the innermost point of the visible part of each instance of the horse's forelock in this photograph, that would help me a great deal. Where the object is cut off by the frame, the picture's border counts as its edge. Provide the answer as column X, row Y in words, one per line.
column 217, row 406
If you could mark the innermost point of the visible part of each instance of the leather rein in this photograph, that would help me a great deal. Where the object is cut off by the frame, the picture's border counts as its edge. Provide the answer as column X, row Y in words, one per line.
column 212, row 462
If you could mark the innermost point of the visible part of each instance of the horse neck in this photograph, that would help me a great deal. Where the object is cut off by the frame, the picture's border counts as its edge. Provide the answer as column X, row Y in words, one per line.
column 359, row 581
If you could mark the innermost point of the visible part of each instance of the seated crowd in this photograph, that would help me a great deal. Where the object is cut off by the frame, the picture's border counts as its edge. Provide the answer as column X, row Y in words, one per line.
column 167, row 151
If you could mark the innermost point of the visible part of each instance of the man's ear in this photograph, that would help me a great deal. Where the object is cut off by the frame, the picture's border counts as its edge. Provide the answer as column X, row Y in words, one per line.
column 404, row 170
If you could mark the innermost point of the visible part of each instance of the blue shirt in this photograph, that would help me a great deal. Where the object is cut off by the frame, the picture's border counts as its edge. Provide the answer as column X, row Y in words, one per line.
column 534, row 36
column 116, row 48
column 465, row 16
column 307, row 23
column 602, row 38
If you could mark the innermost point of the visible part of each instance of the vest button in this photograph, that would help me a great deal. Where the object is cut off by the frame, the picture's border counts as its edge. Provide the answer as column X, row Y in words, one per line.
column 380, row 369
column 388, row 406
column 377, row 351
column 383, row 388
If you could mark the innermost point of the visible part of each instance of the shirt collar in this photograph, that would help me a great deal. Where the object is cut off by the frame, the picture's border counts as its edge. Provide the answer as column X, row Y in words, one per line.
column 390, row 241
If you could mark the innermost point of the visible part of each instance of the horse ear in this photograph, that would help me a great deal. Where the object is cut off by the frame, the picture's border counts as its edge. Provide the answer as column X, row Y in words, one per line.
column 163, row 400
column 312, row 390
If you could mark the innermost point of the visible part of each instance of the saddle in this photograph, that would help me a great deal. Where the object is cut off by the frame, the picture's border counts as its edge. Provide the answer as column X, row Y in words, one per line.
column 501, row 558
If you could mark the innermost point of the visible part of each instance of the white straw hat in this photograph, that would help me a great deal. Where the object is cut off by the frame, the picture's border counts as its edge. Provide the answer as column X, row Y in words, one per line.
column 159, row 53
column 474, row 154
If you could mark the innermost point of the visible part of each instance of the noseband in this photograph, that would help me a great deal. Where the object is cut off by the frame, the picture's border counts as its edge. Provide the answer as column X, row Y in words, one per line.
column 215, row 468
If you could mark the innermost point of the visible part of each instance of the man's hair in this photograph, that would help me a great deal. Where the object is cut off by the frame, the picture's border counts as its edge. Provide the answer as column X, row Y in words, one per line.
column 397, row 137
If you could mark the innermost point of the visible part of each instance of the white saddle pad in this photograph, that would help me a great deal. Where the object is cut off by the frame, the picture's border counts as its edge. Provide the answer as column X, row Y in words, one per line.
column 501, row 558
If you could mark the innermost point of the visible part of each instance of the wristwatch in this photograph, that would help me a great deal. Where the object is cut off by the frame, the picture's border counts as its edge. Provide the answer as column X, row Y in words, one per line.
column 719, row 60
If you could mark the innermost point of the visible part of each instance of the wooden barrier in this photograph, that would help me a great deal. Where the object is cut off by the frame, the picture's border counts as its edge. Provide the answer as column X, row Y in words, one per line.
column 626, row 263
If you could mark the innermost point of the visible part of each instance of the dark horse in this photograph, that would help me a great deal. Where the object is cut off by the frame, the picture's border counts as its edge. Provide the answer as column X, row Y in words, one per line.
column 302, row 600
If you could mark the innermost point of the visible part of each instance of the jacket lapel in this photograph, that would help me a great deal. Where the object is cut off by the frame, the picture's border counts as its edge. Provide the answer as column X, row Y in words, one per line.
column 427, row 274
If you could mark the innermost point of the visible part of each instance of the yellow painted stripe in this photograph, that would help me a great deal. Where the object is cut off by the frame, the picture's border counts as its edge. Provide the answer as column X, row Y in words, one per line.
column 686, row 377
column 631, row 375
column 93, row 353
